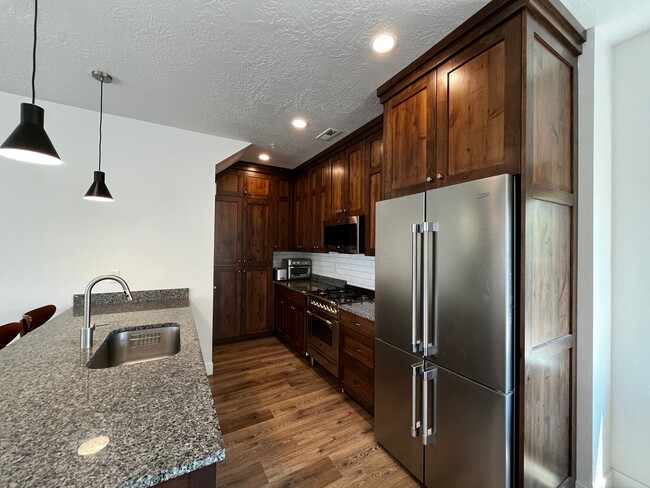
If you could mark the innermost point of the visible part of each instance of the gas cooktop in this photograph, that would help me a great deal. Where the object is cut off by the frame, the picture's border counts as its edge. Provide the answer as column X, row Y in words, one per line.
column 347, row 294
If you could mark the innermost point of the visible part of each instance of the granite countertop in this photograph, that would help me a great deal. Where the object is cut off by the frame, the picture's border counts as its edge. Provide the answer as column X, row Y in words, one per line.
column 362, row 309
column 158, row 415
column 305, row 286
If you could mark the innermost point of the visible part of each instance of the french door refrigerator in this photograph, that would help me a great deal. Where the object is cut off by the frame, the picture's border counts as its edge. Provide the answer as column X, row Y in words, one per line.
column 444, row 355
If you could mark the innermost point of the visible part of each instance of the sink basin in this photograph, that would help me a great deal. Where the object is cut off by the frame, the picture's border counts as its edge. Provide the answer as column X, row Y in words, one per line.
column 137, row 345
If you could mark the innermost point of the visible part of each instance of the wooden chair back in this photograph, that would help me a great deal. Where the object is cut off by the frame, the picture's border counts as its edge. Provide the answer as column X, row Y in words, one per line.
column 35, row 318
column 8, row 333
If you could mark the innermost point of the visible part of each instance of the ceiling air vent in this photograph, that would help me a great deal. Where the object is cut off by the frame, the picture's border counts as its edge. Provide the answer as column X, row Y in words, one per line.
column 329, row 134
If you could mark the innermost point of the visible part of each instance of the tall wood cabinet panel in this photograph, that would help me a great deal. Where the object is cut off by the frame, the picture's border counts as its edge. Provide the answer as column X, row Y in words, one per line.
column 479, row 108
column 252, row 218
column 375, row 154
column 549, row 259
column 256, row 232
column 409, row 139
column 301, row 220
column 228, row 230
column 337, row 163
column 227, row 303
column 506, row 92
column 355, row 183
column 256, row 294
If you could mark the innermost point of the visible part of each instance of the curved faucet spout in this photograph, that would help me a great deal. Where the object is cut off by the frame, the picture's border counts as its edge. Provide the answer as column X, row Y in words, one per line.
column 87, row 329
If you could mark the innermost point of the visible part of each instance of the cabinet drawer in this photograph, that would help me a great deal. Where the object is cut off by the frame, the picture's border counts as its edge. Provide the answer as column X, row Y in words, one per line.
column 357, row 385
column 360, row 325
column 359, row 347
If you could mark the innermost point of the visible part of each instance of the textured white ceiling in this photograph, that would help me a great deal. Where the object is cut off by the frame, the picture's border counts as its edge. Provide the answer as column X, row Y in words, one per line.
column 233, row 68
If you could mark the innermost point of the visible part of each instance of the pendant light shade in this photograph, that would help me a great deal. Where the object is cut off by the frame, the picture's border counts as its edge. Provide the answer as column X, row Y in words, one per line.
column 29, row 141
column 98, row 191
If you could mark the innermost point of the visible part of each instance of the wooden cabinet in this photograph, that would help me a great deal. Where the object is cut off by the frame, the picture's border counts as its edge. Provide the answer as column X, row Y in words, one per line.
column 228, row 230
column 226, row 304
column 301, row 205
column 257, row 232
column 357, row 358
column 252, row 218
column 291, row 317
column 479, row 109
column 230, row 183
column 409, row 139
column 256, row 295
column 375, row 156
column 347, row 182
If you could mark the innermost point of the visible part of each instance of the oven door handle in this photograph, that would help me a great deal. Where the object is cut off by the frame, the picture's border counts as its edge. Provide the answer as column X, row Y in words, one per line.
column 318, row 317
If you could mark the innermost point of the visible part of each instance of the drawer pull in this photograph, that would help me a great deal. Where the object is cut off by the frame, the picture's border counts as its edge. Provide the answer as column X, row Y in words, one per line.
column 357, row 324
column 356, row 349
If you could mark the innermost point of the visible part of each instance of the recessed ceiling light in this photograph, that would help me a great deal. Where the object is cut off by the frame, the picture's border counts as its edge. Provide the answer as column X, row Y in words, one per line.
column 383, row 43
column 299, row 123
column 264, row 157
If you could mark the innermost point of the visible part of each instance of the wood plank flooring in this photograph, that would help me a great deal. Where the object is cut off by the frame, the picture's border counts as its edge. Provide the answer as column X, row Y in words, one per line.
column 287, row 424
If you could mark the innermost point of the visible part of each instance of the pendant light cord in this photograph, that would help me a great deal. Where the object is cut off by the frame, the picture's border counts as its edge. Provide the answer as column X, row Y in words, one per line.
column 101, row 112
column 34, row 54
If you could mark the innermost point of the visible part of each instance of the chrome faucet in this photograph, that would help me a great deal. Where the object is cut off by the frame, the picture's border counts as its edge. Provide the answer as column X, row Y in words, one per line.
column 87, row 329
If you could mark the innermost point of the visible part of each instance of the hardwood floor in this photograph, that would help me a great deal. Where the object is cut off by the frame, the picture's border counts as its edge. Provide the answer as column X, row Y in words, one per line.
column 287, row 424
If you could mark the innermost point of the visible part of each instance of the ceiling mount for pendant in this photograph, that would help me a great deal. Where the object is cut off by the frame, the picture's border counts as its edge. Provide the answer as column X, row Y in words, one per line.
column 101, row 76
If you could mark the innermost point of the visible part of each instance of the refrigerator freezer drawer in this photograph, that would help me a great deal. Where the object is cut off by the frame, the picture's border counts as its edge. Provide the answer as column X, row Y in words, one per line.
column 394, row 409
column 472, row 445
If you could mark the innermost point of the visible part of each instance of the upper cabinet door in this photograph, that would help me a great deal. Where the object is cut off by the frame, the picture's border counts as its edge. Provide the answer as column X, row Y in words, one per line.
column 257, row 248
column 257, row 185
column 230, row 183
column 338, row 184
column 479, row 109
column 409, row 133
column 227, row 230
column 355, row 184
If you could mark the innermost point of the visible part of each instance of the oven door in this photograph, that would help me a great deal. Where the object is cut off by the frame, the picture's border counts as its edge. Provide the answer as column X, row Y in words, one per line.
column 323, row 341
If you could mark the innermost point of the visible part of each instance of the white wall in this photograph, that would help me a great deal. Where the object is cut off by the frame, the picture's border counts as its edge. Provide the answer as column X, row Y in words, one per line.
column 356, row 269
column 631, row 263
column 158, row 232
column 594, row 263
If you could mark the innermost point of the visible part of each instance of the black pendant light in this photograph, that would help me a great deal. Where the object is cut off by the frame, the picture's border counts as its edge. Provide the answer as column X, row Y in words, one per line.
column 29, row 141
column 98, row 191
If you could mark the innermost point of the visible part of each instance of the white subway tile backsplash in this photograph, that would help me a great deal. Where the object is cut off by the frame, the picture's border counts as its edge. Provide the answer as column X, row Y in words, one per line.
column 356, row 269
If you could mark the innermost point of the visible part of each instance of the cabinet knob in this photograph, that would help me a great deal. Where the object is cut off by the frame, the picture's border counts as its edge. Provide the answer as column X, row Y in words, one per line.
column 244, row 271
column 245, row 192
column 214, row 287
column 239, row 270
column 439, row 176
column 429, row 179
column 244, row 260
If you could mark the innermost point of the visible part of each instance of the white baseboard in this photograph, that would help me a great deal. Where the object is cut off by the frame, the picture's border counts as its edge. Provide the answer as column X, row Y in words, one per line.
column 622, row 481
column 209, row 368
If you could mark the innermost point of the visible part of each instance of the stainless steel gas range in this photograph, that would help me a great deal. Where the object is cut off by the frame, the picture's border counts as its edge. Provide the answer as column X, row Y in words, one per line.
column 323, row 323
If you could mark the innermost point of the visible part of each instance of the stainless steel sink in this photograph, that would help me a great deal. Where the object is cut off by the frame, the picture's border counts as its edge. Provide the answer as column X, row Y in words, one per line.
column 137, row 346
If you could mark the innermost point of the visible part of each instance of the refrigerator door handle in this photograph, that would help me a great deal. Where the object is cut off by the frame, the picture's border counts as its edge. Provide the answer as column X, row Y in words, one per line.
column 429, row 290
column 416, row 370
column 416, row 343
column 429, row 431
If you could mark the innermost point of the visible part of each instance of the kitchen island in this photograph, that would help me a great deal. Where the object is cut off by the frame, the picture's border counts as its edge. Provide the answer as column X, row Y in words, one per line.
column 158, row 415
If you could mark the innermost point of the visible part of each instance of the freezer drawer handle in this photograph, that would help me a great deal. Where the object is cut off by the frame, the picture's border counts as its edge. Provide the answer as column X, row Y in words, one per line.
column 429, row 431
column 430, row 290
column 416, row 343
column 416, row 369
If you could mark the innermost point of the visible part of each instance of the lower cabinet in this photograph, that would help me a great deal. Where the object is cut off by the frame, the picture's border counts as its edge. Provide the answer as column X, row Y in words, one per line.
column 201, row 478
column 242, row 302
column 357, row 358
column 291, row 317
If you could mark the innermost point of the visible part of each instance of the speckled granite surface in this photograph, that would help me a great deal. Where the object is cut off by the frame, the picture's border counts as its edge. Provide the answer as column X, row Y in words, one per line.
column 117, row 302
column 158, row 415
column 305, row 286
column 363, row 309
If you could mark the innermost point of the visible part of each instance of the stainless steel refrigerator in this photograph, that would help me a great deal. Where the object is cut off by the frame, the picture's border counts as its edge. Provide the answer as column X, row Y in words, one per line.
column 444, row 356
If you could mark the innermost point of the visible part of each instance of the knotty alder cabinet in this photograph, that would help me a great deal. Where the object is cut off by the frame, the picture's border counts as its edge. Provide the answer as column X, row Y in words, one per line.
column 291, row 317
column 357, row 358
column 498, row 95
column 252, row 219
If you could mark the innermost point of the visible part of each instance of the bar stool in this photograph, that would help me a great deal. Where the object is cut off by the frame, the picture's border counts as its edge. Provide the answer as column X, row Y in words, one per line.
column 35, row 318
column 9, row 332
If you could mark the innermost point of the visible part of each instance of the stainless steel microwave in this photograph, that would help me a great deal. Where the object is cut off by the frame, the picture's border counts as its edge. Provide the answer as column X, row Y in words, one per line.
column 344, row 235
